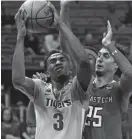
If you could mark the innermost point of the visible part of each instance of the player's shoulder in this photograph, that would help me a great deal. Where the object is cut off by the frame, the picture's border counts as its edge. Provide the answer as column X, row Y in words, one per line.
column 40, row 83
column 115, row 84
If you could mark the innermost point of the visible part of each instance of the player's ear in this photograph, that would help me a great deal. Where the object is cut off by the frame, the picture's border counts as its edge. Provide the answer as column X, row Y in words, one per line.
column 48, row 77
column 47, row 74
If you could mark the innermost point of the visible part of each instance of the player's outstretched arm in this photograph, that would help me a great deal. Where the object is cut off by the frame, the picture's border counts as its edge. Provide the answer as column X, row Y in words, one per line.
column 122, row 62
column 65, row 17
column 77, row 51
column 20, row 82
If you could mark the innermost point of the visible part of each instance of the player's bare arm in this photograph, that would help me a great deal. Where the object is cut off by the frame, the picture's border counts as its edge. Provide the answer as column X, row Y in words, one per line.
column 20, row 82
column 78, row 52
column 64, row 15
column 122, row 62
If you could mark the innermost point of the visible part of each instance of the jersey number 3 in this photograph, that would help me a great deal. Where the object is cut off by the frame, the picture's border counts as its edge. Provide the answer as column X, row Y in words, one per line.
column 59, row 123
column 93, row 113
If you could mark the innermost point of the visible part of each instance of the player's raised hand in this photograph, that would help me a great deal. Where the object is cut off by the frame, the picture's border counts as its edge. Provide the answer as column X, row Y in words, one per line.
column 41, row 76
column 56, row 15
column 64, row 3
column 20, row 22
column 107, row 37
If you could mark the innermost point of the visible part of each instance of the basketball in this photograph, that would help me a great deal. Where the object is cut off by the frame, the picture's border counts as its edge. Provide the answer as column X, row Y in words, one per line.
column 40, row 15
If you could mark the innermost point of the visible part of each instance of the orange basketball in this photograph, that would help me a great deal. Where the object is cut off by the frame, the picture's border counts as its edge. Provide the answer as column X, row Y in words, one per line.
column 40, row 15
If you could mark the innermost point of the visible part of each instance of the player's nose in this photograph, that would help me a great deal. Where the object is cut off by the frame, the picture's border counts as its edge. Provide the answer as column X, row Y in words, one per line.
column 58, row 62
column 100, row 59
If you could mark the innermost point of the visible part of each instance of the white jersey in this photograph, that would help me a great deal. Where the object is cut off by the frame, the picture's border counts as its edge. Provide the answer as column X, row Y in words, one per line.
column 59, row 119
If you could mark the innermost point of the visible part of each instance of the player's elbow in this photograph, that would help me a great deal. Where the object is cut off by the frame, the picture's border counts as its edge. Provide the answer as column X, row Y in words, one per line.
column 128, row 74
column 17, row 83
column 84, row 74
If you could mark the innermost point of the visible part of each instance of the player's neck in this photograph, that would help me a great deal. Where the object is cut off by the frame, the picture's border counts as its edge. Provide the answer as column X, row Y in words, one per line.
column 101, row 81
column 59, row 84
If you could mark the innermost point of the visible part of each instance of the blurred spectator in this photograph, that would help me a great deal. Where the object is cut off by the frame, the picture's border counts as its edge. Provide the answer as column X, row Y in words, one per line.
column 27, row 132
column 31, row 132
column 29, row 52
column 2, row 95
column 31, row 42
column 2, row 106
column 128, row 16
column 10, row 127
column 89, row 39
column 115, row 19
column 28, row 127
column 50, row 43
column 22, row 111
column 7, row 19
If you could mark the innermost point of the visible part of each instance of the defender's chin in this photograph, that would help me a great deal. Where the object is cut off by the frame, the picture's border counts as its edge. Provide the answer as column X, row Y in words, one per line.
column 99, row 73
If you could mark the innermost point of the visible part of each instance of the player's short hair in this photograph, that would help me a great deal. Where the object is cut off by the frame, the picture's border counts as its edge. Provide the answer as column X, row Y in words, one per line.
column 51, row 53
column 92, row 51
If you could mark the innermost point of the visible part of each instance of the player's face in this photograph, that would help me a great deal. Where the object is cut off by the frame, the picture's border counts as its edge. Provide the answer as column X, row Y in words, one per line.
column 105, row 62
column 57, row 65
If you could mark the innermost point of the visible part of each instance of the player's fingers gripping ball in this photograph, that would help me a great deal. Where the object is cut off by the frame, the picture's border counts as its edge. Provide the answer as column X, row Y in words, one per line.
column 40, row 15
column 56, row 15
column 20, row 22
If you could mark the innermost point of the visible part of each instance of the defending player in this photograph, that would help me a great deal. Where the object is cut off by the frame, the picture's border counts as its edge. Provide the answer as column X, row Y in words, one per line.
column 59, row 104
column 108, row 99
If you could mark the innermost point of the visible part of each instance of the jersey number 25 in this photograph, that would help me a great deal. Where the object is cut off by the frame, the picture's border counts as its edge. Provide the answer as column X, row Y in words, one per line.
column 93, row 113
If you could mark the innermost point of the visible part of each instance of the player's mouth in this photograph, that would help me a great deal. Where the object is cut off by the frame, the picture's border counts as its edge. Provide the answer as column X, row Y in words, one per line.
column 58, row 68
column 99, row 66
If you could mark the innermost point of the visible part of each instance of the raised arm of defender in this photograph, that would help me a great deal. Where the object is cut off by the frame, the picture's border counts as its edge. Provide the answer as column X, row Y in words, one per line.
column 122, row 62
column 77, row 51
column 65, row 17
column 20, row 82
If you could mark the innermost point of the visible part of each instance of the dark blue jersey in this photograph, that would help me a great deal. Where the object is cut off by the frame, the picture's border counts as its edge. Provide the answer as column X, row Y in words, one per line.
column 103, row 119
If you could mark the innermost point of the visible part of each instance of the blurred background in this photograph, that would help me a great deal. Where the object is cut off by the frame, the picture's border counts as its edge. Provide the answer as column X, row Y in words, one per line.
column 88, row 22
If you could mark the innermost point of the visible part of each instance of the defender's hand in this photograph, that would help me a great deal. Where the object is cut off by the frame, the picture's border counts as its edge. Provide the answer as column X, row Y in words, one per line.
column 56, row 15
column 40, row 76
column 107, row 38
column 20, row 23
column 64, row 3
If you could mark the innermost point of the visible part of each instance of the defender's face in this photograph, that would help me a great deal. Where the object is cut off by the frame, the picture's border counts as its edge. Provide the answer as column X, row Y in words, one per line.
column 105, row 62
column 57, row 65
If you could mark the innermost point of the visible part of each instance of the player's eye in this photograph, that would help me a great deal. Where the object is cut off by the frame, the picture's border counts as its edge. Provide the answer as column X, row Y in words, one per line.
column 62, row 59
column 52, row 61
column 107, row 55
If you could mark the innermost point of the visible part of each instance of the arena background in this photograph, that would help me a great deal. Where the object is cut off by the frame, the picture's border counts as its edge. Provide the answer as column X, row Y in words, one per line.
column 88, row 22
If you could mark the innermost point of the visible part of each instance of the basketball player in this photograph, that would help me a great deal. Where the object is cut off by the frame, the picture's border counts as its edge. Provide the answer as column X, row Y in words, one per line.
column 59, row 104
column 108, row 98
column 64, row 16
